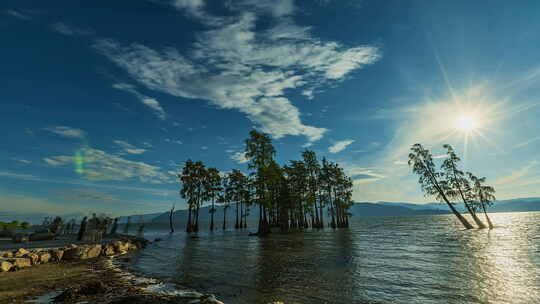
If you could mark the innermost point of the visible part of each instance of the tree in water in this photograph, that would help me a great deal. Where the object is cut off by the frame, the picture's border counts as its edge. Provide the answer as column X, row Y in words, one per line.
column 225, row 197
column 484, row 195
column 171, row 213
column 126, row 227
column 212, row 186
column 192, row 177
column 260, row 152
column 422, row 164
column 457, row 184
column 314, row 172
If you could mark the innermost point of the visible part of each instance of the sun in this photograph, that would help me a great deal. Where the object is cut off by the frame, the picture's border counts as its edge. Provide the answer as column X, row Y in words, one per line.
column 466, row 123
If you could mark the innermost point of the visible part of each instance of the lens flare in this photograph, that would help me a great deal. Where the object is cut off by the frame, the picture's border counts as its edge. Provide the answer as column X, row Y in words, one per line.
column 79, row 161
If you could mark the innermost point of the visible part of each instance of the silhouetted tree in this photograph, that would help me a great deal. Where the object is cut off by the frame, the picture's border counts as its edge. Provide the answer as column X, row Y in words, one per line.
column 484, row 195
column 171, row 213
column 457, row 183
column 422, row 164
column 212, row 186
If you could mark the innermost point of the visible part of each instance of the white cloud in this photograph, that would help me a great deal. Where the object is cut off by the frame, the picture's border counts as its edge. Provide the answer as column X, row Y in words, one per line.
column 129, row 148
column 22, row 160
column 97, row 165
column 66, row 131
column 276, row 8
column 340, row 146
column 232, row 66
column 240, row 157
column 18, row 15
column 70, row 30
column 33, row 178
column 148, row 101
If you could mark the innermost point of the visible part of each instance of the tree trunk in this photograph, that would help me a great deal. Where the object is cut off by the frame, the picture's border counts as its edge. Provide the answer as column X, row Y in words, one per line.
column 188, row 226
column 212, row 216
column 171, row 220
column 460, row 217
column 236, row 225
column 225, row 218
column 487, row 217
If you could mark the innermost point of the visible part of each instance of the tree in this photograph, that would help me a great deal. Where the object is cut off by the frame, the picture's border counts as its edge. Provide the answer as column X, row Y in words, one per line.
column 484, row 195
column 171, row 213
column 314, row 172
column 237, row 185
column 458, row 185
column 422, row 164
column 225, row 197
column 260, row 152
column 193, row 177
column 212, row 187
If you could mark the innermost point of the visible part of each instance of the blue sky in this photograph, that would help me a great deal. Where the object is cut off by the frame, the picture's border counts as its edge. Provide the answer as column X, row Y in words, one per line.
column 102, row 101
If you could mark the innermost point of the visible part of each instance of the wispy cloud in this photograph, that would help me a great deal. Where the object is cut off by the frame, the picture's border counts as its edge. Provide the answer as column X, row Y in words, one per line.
column 66, row 132
column 239, row 157
column 98, row 165
column 18, row 15
column 150, row 102
column 340, row 146
column 33, row 178
column 527, row 142
column 233, row 66
column 86, row 195
column 129, row 148
column 70, row 30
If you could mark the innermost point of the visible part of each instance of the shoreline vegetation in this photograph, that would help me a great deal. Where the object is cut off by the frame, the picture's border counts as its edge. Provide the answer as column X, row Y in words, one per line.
column 293, row 196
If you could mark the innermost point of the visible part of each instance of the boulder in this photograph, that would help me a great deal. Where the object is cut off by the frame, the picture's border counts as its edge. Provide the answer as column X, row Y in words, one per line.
column 5, row 266
column 20, row 252
column 34, row 258
column 72, row 254
column 108, row 250
column 6, row 254
column 57, row 254
column 93, row 251
column 20, row 262
column 44, row 257
column 120, row 247
column 82, row 252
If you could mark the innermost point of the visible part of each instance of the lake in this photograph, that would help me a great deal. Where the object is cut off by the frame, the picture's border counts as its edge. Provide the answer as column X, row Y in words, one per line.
column 416, row 259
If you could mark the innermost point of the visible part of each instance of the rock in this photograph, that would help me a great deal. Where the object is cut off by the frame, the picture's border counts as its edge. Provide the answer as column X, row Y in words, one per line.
column 57, row 254
column 82, row 253
column 120, row 247
column 72, row 254
column 108, row 250
column 44, row 257
column 20, row 238
column 6, row 254
column 93, row 252
column 5, row 266
column 20, row 252
column 20, row 262
column 33, row 257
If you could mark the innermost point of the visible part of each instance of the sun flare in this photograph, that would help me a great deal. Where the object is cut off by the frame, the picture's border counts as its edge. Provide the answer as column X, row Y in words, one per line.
column 466, row 123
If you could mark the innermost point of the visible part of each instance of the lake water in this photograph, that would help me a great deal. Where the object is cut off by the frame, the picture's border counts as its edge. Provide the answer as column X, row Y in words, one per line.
column 424, row 259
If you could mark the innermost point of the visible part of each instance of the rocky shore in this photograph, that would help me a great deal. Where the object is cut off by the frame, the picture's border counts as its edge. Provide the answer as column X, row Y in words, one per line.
column 85, row 274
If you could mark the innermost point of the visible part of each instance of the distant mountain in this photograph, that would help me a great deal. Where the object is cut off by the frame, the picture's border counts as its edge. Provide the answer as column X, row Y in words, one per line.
column 511, row 205
column 136, row 218
column 388, row 209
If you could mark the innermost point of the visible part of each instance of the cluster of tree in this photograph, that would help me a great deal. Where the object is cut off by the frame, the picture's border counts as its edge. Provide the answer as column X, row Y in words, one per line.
column 449, row 184
column 14, row 225
column 295, row 195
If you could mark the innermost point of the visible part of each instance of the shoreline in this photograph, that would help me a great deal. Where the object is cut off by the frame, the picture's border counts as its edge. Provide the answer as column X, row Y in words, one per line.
column 103, row 279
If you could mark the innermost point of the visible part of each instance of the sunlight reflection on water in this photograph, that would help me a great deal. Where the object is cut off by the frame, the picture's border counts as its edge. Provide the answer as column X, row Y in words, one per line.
column 427, row 259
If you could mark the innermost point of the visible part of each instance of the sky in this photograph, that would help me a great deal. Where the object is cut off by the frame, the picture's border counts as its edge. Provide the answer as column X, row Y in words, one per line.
column 103, row 101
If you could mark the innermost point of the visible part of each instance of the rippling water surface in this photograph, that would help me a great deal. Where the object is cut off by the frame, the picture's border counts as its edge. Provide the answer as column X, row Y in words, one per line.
column 424, row 259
